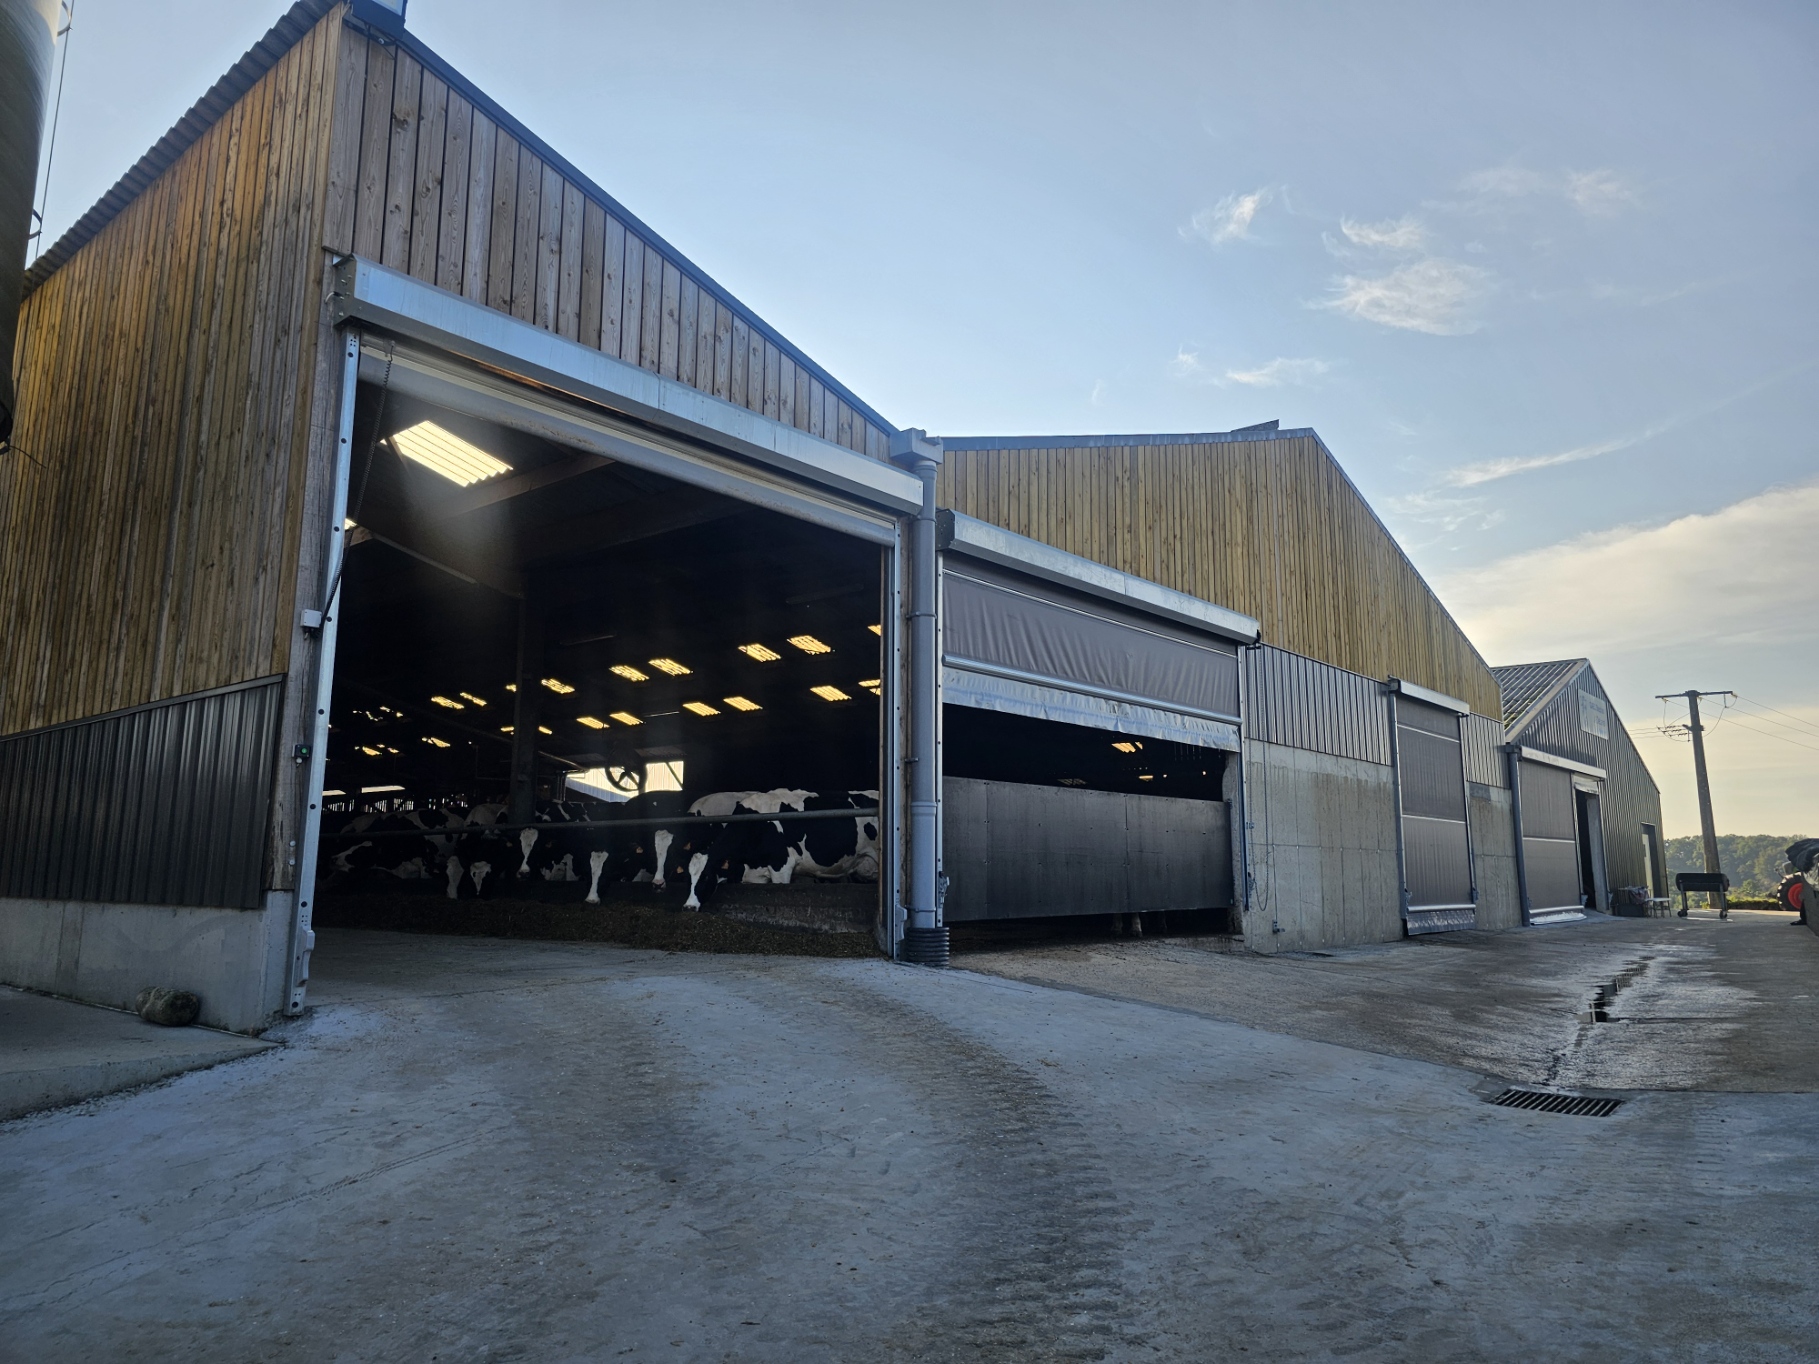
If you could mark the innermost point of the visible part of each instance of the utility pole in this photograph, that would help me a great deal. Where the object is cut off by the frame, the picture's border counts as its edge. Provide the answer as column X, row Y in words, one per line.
column 1706, row 830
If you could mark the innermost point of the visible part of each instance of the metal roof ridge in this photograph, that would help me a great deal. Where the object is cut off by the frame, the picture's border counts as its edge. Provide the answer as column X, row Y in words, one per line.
column 258, row 59
column 1243, row 435
column 263, row 55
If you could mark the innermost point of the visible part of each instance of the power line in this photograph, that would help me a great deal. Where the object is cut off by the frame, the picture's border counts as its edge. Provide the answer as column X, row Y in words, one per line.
column 1749, row 701
column 1801, row 734
column 1778, row 738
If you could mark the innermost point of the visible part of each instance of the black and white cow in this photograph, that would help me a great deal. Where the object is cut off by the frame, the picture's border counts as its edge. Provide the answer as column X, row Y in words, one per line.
column 774, row 852
column 477, row 853
column 392, row 857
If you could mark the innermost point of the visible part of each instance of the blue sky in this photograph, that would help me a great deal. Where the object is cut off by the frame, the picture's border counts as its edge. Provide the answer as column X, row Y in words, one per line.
column 1541, row 275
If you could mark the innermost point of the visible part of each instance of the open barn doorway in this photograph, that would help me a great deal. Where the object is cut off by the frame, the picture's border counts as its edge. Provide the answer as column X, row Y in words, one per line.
column 576, row 696
column 1062, row 830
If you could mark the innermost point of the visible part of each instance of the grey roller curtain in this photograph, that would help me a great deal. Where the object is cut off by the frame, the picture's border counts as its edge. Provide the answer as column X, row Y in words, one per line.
column 1010, row 626
column 1430, row 771
column 1550, row 848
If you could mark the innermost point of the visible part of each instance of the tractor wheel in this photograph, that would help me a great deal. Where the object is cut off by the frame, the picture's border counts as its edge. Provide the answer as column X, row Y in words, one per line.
column 1794, row 894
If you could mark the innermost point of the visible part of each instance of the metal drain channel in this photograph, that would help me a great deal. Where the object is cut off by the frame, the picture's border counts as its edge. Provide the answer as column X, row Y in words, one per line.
column 1546, row 1101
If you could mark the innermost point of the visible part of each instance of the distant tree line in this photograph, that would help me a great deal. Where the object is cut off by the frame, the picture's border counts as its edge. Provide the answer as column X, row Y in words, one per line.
column 1754, row 862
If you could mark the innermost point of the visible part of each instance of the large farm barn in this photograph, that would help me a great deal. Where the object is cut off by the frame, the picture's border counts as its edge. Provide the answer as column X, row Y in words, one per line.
column 373, row 467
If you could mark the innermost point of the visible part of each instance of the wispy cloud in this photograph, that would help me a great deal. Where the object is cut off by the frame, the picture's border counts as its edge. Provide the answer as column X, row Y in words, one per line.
column 1598, row 193
column 1449, row 512
column 1230, row 219
column 1431, row 295
column 1729, row 585
column 1278, row 372
column 1655, row 584
column 1488, row 471
column 1283, row 370
column 1397, row 234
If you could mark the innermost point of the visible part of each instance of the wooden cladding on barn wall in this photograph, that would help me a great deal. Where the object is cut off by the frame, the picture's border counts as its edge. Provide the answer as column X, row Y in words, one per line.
column 1272, row 528
column 149, row 508
column 424, row 182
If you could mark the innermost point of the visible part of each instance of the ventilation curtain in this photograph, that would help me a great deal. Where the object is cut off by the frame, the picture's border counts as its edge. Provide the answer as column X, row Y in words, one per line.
column 1004, row 625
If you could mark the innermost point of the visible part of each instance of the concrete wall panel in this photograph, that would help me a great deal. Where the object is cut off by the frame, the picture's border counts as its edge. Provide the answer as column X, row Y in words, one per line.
column 234, row 959
column 1323, row 850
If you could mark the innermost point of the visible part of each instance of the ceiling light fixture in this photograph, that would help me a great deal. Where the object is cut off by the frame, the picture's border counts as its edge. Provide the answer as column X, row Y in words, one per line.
column 629, row 673
column 827, row 693
column 625, row 717
column 741, row 703
column 544, row 729
column 443, row 452
column 700, row 708
column 876, row 630
column 1126, row 746
column 591, row 722
column 670, row 666
column 758, row 653
column 378, row 790
column 810, row 645
column 470, row 698
column 560, row 688
column 875, row 686
column 445, row 702
column 432, row 739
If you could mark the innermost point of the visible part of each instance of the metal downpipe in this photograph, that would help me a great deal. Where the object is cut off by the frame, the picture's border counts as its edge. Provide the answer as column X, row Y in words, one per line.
column 925, row 939
column 28, row 37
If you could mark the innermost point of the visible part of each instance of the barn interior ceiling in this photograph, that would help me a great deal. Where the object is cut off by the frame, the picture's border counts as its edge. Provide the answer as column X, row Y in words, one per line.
column 666, row 616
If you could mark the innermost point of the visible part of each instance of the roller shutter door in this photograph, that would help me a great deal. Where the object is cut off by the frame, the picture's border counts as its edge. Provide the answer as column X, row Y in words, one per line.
column 1436, row 847
column 1550, row 848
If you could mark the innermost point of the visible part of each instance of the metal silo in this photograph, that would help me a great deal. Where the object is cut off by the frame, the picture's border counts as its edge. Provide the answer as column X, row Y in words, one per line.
column 28, row 33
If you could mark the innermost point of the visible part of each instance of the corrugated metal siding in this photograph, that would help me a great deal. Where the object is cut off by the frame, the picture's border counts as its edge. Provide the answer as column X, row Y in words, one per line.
column 163, row 804
column 1630, row 798
column 1484, row 761
column 1299, row 703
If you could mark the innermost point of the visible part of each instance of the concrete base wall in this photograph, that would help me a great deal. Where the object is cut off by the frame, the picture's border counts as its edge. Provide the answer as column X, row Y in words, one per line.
column 1494, row 857
column 234, row 959
column 1322, row 842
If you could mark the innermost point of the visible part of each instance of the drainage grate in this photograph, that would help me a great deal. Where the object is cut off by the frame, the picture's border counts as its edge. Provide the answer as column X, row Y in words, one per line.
column 1546, row 1101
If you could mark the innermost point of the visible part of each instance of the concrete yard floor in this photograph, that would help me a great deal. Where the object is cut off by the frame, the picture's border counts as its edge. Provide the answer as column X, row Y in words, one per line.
column 1694, row 1003
column 55, row 1051
column 478, row 1149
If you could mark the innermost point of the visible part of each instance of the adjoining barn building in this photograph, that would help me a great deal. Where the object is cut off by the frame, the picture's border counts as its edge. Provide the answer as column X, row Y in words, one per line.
column 1588, row 814
column 370, row 456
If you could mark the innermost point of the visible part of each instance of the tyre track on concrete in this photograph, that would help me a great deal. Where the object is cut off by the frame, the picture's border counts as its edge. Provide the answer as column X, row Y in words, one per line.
column 1035, row 1226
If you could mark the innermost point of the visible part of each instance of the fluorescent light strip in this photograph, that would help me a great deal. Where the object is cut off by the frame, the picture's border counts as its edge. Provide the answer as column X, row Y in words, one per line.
column 830, row 693
column 741, row 703
column 700, row 708
column 629, row 673
column 810, row 645
column 758, row 653
column 670, row 666
column 443, row 452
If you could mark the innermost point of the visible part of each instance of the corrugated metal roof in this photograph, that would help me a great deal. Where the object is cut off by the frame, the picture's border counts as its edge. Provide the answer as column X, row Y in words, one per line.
column 1526, row 686
column 261, row 57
